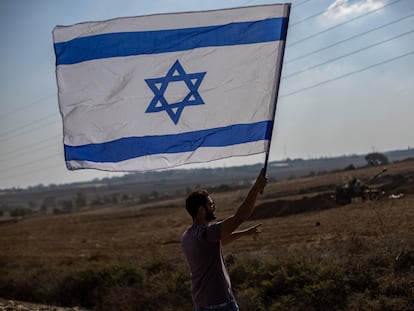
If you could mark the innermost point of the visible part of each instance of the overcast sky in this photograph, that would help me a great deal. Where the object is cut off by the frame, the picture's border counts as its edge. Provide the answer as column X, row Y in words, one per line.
column 347, row 84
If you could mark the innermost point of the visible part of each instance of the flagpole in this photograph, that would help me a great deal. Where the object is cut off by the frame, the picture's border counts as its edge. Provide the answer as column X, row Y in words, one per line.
column 283, row 43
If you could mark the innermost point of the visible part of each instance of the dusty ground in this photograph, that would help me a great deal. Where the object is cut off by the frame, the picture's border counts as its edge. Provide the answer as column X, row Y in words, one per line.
column 154, row 229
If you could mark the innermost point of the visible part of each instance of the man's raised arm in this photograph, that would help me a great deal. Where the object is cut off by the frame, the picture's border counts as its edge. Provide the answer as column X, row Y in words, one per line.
column 245, row 210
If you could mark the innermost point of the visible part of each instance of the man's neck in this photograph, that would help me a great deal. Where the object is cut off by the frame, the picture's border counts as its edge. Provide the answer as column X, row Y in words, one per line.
column 198, row 222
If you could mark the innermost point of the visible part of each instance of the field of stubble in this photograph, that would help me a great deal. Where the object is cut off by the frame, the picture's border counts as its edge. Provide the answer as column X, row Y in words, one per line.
column 327, row 257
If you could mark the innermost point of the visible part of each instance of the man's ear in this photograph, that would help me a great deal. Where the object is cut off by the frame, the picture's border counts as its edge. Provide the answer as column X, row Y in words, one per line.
column 200, row 209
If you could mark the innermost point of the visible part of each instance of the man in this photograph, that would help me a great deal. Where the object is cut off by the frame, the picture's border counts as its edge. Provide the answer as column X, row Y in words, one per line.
column 201, row 244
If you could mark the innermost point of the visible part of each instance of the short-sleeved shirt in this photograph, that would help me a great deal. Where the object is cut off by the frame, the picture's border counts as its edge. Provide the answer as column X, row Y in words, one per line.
column 210, row 281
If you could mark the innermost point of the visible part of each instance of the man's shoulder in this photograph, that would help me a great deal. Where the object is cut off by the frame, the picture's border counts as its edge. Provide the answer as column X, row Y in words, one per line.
column 200, row 228
column 209, row 233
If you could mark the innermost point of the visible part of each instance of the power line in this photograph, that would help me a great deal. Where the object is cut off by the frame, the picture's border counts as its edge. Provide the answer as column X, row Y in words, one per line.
column 300, row 3
column 347, row 39
column 295, row 5
column 28, row 130
column 31, row 150
column 312, row 16
column 347, row 74
column 27, row 125
column 26, row 106
column 337, row 25
column 32, row 171
column 30, row 145
column 31, row 162
column 347, row 54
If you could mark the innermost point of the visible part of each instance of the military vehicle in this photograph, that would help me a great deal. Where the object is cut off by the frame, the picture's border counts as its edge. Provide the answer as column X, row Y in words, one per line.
column 356, row 189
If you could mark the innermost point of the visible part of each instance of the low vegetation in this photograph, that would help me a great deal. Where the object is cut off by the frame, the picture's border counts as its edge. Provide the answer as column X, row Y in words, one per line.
column 353, row 276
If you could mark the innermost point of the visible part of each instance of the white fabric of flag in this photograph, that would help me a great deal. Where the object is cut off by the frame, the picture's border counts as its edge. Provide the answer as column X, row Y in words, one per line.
column 159, row 91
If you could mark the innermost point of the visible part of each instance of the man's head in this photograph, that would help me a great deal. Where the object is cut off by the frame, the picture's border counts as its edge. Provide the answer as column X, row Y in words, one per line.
column 200, row 204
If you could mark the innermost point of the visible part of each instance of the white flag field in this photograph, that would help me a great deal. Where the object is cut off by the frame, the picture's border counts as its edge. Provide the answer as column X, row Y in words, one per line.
column 159, row 91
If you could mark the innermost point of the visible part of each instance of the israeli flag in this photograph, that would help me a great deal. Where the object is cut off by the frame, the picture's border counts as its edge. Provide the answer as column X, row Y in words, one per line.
column 159, row 91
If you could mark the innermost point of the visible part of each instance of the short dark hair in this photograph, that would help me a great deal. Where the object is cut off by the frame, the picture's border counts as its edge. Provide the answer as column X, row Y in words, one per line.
column 194, row 200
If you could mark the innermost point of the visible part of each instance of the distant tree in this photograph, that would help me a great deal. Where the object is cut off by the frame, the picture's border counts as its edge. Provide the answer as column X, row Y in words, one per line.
column 376, row 158
column 32, row 204
column 98, row 200
column 144, row 198
column 350, row 167
column 37, row 187
column 115, row 198
column 155, row 194
column 225, row 187
column 67, row 205
column 48, row 202
column 20, row 212
column 4, row 207
column 80, row 200
column 57, row 211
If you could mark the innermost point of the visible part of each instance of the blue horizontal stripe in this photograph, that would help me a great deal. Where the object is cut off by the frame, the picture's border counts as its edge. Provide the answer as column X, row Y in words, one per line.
column 133, row 147
column 171, row 40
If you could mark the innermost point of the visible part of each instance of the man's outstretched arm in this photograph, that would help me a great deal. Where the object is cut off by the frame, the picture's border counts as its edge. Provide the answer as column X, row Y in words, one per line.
column 252, row 231
column 229, row 225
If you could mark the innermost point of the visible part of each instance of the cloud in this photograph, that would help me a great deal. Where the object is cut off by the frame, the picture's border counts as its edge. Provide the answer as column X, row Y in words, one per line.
column 341, row 9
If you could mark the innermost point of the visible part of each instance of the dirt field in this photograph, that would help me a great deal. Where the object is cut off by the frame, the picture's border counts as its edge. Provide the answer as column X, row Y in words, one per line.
column 154, row 229
column 307, row 221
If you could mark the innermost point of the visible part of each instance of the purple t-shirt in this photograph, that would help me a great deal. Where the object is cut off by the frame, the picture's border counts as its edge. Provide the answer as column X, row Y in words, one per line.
column 210, row 282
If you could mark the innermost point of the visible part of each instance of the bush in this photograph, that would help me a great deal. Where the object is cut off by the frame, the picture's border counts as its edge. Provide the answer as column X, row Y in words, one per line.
column 90, row 286
column 21, row 212
column 287, row 285
column 376, row 158
column 363, row 279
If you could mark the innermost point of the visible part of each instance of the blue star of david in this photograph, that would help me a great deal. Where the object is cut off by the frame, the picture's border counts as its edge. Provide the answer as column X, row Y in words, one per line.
column 159, row 86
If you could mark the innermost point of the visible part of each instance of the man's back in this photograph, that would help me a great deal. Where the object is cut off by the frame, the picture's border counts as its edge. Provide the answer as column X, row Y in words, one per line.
column 210, row 282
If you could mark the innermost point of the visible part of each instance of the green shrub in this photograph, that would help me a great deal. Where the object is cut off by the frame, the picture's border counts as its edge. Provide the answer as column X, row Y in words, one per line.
column 88, row 287
column 21, row 212
column 287, row 285
column 362, row 280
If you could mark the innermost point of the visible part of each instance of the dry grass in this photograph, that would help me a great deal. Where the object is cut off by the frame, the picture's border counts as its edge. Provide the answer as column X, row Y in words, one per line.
column 372, row 233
